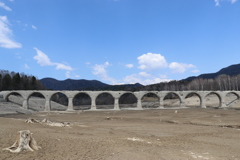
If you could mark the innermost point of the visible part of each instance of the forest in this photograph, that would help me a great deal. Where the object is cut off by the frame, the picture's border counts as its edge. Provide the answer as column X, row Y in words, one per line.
column 18, row 81
column 220, row 83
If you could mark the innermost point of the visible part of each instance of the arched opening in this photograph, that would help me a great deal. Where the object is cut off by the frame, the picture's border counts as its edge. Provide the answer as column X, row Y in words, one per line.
column 127, row 100
column 58, row 102
column 36, row 102
column 171, row 100
column 213, row 100
column 15, row 99
column 104, row 101
column 150, row 100
column 232, row 100
column 82, row 101
column 192, row 100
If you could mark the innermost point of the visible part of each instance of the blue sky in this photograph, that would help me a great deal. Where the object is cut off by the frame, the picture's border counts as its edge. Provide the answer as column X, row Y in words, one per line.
column 119, row 41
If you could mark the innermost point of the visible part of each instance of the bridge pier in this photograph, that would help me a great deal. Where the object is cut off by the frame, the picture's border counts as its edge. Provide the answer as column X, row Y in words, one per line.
column 203, row 104
column 25, row 104
column 182, row 103
column 139, row 104
column 116, row 104
column 47, row 105
column 93, row 104
column 70, row 104
column 223, row 105
column 161, row 102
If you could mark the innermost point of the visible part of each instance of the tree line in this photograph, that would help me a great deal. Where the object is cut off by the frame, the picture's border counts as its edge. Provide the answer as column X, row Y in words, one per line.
column 220, row 83
column 18, row 81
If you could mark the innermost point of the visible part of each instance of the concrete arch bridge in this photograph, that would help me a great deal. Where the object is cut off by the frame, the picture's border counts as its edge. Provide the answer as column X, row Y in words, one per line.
column 181, row 95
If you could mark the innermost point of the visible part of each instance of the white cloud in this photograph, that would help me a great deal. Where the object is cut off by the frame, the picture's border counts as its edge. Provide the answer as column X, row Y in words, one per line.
column 6, row 34
column 26, row 66
column 131, row 79
column 151, row 61
column 77, row 76
column 63, row 67
column 129, row 65
column 107, row 64
column 217, row 2
column 67, row 74
column 100, row 70
column 43, row 60
column 155, row 80
column 34, row 27
column 195, row 71
column 144, row 78
column 144, row 74
column 2, row 5
column 180, row 67
column 233, row 1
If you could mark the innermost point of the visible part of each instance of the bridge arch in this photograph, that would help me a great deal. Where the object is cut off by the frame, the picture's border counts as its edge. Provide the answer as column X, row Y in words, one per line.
column 19, row 101
column 58, row 101
column 230, row 98
column 232, row 92
column 213, row 100
column 104, row 100
column 172, row 99
column 150, row 100
column 193, row 99
column 36, row 101
column 82, row 101
column 127, row 100
column 12, row 93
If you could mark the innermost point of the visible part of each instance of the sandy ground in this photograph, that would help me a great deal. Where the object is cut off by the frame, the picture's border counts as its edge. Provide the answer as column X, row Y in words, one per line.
column 149, row 134
column 152, row 134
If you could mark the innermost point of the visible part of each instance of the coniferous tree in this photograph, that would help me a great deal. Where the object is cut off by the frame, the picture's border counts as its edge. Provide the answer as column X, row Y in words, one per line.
column 16, row 81
column 6, row 82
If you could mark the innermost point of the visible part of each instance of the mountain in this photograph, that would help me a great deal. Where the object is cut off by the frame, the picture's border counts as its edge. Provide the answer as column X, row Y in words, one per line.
column 82, row 84
column 70, row 84
column 230, row 70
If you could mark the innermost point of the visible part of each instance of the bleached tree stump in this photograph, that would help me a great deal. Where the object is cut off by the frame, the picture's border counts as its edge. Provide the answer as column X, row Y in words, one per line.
column 24, row 142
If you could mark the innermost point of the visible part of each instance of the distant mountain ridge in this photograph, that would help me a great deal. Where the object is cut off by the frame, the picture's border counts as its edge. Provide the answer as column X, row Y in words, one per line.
column 82, row 84
column 231, row 70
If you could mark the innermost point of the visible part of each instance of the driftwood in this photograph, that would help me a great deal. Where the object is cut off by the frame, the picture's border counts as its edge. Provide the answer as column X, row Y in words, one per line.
column 24, row 142
column 32, row 120
column 48, row 122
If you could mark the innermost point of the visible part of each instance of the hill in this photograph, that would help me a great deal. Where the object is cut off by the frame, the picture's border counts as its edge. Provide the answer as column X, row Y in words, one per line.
column 70, row 84
column 82, row 84
column 230, row 70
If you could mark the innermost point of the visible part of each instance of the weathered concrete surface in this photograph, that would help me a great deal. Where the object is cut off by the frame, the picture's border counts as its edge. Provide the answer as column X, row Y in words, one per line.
column 116, row 95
